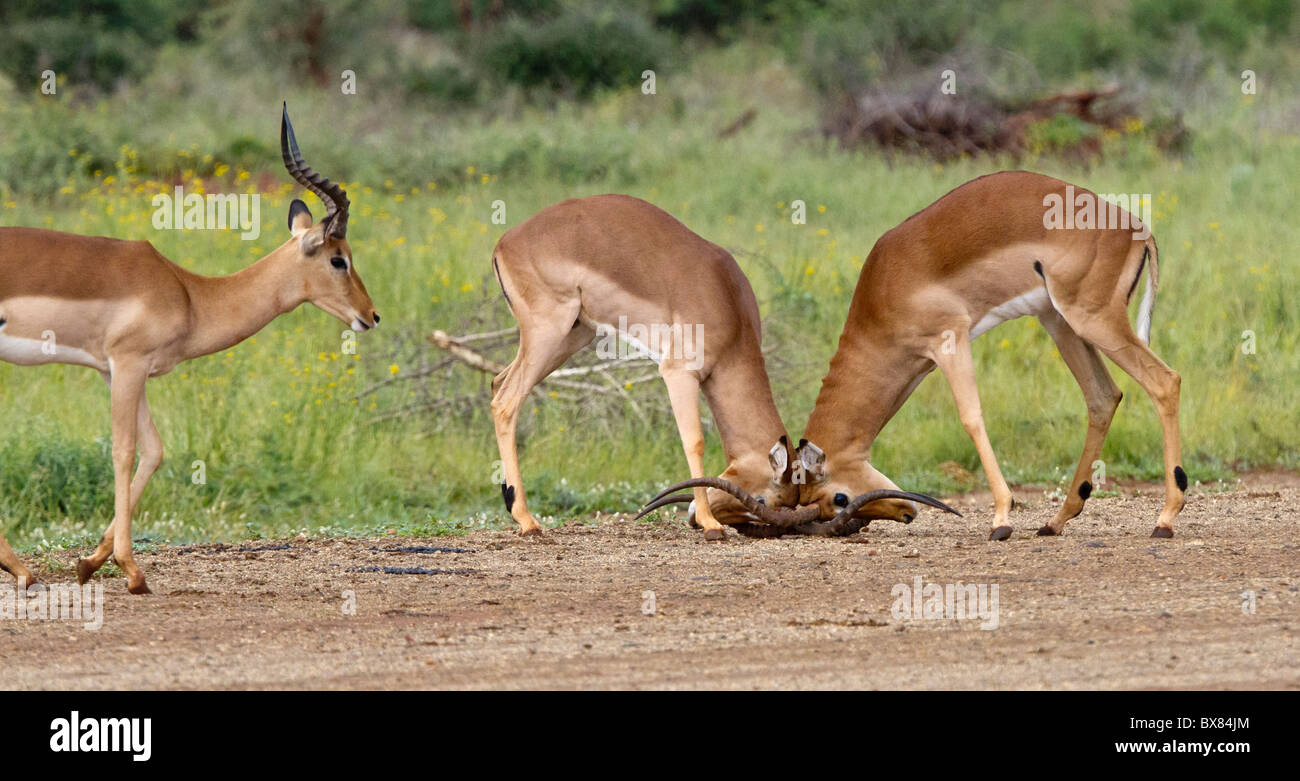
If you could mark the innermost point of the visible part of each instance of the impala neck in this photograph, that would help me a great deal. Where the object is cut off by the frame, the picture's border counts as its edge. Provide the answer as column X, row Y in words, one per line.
column 227, row 310
column 867, row 382
column 743, row 409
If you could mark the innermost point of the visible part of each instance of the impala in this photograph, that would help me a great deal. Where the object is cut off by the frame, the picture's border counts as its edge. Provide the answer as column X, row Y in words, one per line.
column 978, row 256
column 601, row 263
column 124, row 310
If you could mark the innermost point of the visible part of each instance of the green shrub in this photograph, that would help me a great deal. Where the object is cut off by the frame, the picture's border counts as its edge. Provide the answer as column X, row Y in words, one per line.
column 1224, row 26
column 445, row 83
column 45, row 143
column 57, row 479
column 443, row 16
column 576, row 53
column 97, row 43
column 1062, row 131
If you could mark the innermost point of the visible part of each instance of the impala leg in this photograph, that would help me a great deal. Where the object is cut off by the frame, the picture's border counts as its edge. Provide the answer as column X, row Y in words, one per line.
column 9, row 562
column 1114, row 337
column 127, row 391
column 959, row 369
column 151, row 454
column 542, row 348
column 1102, row 397
column 684, row 394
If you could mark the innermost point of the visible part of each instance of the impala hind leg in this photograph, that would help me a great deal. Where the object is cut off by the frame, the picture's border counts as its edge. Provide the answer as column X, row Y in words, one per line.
column 684, row 394
column 9, row 562
column 957, row 366
column 1115, row 338
column 151, row 454
column 1102, row 397
column 543, row 347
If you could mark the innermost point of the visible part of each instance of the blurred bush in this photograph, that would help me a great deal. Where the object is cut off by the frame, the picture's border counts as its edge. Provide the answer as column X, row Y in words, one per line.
column 46, row 143
column 574, row 52
column 98, row 42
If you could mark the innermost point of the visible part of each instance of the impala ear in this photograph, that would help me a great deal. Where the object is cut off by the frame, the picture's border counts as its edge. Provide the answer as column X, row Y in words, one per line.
column 312, row 240
column 813, row 459
column 300, row 220
column 779, row 458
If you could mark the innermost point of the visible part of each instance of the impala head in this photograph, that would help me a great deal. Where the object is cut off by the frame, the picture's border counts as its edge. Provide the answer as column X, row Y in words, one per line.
column 748, row 491
column 330, row 280
column 834, row 485
column 767, row 481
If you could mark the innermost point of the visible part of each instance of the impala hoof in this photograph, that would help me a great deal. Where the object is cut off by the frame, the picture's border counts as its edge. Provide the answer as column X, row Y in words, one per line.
column 28, row 581
column 531, row 531
column 714, row 534
column 1001, row 533
column 84, row 570
column 1162, row 533
column 138, row 587
column 1047, row 531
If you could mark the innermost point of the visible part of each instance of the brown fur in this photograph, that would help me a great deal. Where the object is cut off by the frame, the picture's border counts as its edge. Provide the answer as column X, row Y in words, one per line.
column 123, row 309
column 587, row 262
column 928, row 282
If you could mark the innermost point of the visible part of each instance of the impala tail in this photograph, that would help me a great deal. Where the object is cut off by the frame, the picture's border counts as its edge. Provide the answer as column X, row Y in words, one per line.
column 1149, row 295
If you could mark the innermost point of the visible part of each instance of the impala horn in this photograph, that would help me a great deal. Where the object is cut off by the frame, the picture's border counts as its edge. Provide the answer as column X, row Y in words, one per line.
column 653, row 505
column 335, row 199
column 844, row 523
column 776, row 517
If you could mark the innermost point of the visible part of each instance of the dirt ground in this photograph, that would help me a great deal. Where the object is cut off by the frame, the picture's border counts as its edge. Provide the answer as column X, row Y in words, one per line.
column 1102, row 607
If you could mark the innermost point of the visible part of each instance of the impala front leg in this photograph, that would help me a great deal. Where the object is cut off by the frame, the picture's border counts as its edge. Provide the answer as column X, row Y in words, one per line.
column 684, row 394
column 127, row 392
column 151, row 454
column 957, row 366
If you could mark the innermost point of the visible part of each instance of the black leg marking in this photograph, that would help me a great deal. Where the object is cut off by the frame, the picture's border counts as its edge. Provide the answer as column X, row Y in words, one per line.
column 1085, row 490
column 1038, row 269
column 1180, row 477
column 508, row 493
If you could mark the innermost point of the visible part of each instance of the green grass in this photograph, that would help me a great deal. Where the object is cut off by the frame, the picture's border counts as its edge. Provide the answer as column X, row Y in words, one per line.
column 289, row 447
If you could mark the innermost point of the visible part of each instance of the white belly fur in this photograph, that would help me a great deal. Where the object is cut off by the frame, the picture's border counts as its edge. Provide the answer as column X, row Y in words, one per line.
column 1035, row 302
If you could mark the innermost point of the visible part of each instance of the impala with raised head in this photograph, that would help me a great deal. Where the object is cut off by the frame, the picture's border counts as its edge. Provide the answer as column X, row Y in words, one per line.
column 124, row 310
column 621, row 266
column 982, row 254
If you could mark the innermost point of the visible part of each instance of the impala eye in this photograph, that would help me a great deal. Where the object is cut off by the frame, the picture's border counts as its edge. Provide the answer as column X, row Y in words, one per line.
column 841, row 500
column 339, row 263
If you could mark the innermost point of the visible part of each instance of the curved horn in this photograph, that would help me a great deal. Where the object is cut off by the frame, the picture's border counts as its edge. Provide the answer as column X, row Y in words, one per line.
column 335, row 199
column 776, row 517
column 678, row 499
column 844, row 523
